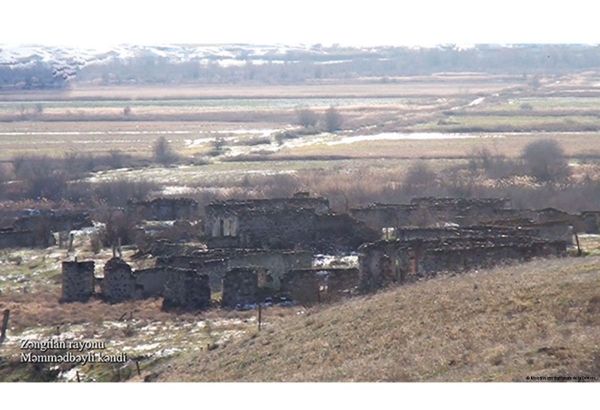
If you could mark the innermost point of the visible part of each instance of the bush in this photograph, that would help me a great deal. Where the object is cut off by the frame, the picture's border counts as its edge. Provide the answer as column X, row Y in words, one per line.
column 307, row 118
column 117, row 192
column 218, row 147
column 418, row 177
column 545, row 160
column 333, row 120
column 41, row 176
column 163, row 152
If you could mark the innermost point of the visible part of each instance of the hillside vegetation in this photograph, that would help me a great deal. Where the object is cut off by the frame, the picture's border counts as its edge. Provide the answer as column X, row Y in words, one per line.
column 541, row 318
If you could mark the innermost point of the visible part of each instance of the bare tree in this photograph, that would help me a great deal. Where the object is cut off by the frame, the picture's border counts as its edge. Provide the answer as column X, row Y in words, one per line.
column 333, row 120
column 545, row 160
column 307, row 117
column 419, row 177
column 163, row 153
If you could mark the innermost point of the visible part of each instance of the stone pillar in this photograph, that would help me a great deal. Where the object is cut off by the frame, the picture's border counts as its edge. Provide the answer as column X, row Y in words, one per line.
column 118, row 284
column 77, row 281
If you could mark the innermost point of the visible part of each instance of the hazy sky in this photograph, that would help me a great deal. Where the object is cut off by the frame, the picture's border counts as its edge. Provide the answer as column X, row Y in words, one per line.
column 95, row 23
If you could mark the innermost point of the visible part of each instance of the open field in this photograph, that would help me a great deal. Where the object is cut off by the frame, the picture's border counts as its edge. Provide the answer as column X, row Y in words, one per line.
column 501, row 113
column 399, row 87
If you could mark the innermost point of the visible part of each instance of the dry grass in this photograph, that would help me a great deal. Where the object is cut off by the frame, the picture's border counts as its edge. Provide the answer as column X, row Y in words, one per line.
column 414, row 86
column 575, row 144
column 536, row 319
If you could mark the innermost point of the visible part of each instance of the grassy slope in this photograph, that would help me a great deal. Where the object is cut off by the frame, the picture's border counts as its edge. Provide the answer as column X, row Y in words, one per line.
column 539, row 318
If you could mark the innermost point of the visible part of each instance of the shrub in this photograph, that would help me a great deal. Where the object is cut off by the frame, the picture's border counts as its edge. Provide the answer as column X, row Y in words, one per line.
column 307, row 118
column 117, row 192
column 333, row 120
column 163, row 152
column 545, row 160
column 418, row 177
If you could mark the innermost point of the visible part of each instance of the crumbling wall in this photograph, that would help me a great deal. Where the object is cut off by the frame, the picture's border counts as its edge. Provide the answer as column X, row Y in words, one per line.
column 590, row 222
column 186, row 289
column 222, row 217
column 40, row 238
column 53, row 220
column 385, row 262
column 77, row 281
column 379, row 216
column 164, row 209
column 340, row 283
column 214, row 268
column 276, row 263
column 240, row 287
column 150, row 282
column 119, row 281
column 302, row 285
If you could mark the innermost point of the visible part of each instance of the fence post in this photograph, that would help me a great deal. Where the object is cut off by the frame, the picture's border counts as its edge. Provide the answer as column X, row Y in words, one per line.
column 259, row 316
column 6, row 315
column 578, row 247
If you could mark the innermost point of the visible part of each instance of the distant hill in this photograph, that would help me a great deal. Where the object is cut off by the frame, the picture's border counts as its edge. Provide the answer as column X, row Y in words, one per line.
column 540, row 318
column 36, row 67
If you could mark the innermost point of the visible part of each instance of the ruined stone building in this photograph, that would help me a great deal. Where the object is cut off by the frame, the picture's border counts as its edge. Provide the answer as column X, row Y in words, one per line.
column 253, row 250
column 398, row 261
column 283, row 223
column 215, row 262
column 34, row 228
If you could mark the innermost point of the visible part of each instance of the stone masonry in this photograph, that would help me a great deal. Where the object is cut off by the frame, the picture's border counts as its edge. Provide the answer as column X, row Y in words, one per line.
column 240, row 287
column 118, row 284
column 77, row 281
column 186, row 289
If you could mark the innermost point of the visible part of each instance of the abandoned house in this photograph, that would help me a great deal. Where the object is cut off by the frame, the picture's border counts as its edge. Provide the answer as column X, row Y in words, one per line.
column 255, row 249
column 283, row 223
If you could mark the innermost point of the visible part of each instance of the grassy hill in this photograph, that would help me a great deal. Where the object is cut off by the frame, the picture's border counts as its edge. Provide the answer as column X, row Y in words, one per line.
column 541, row 318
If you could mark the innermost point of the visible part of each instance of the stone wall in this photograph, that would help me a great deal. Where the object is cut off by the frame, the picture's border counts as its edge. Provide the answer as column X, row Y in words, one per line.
column 77, row 281
column 39, row 238
column 590, row 221
column 221, row 217
column 215, row 262
column 240, row 287
column 275, row 263
column 150, row 282
column 340, row 283
column 119, row 282
column 164, row 209
column 186, row 289
column 53, row 220
column 315, row 285
column 385, row 262
column 214, row 268
column 295, row 229
column 302, row 285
